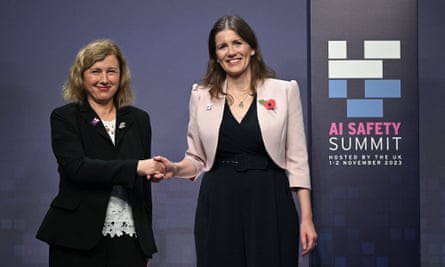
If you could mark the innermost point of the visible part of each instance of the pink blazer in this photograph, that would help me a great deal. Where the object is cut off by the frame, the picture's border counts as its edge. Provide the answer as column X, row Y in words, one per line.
column 282, row 128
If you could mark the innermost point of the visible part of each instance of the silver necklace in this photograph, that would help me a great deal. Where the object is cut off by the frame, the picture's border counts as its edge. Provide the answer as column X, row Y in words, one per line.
column 241, row 103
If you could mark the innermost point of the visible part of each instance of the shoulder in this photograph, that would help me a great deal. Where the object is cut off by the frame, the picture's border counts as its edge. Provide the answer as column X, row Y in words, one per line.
column 133, row 109
column 66, row 110
column 200, row 89
column 278, row 83
column 277, row 86
column 134, row 112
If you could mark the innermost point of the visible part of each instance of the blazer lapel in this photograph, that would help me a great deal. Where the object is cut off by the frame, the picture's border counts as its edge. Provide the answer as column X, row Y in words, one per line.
column 124, row 121
column 270, row 121
column 91, row 118
column 212, row 113
column 209, row 117
column 262, row 112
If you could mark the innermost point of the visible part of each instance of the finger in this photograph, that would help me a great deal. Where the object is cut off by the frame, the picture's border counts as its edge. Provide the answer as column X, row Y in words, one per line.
column 304, row 243
column 309, row 246
column 159, row 159
column 155, row 179
column 313, row 243
column 159, row 168
column 159, row 165
column 158, row 175
column 305, row 251
column 168, row 175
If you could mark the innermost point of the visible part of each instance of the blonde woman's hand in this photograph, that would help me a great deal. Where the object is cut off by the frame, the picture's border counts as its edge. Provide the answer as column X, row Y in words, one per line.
column 170, row 167
column 150, row 168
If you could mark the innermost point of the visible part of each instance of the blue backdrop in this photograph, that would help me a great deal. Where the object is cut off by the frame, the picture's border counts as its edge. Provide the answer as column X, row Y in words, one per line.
column 165, row 44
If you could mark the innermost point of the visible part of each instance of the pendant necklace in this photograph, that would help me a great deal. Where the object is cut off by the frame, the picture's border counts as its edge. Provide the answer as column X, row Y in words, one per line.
column 241, row 103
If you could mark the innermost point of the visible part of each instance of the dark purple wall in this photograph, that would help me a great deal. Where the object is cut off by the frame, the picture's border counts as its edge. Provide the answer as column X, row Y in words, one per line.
column 166, row 45
column 432, row 132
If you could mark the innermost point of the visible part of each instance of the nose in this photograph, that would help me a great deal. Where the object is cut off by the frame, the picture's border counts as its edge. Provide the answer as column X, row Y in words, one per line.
column 231, row 51
column 104, row 77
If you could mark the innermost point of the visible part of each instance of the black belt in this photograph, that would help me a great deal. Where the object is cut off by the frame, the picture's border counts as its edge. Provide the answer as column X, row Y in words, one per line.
column 244, row 162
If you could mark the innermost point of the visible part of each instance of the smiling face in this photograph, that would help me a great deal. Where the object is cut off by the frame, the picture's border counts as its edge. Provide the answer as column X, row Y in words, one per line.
column 233, row 53
column 101, row 80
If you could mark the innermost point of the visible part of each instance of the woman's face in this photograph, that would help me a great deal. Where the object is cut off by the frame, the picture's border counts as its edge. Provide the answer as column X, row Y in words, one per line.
column 101, row 80
column 233, row 53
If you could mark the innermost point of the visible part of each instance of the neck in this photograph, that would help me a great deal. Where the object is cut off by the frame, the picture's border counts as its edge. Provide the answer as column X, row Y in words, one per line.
column 238, row 87
column 106, row 112
column 240, row 84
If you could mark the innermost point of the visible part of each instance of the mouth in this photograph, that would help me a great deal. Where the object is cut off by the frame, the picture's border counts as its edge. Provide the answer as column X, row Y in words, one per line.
column 233, row 61
column 103, row 88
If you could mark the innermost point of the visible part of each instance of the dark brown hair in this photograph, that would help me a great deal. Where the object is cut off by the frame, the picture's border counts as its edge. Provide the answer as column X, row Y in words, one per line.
column 215, row 76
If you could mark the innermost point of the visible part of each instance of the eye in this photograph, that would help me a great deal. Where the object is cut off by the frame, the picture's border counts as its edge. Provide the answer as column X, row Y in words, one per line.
column 221, row 46
column 95, row 71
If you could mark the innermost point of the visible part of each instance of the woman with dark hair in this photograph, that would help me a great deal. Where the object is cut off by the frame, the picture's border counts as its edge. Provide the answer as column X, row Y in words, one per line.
column 246, row 132
column 101, row 215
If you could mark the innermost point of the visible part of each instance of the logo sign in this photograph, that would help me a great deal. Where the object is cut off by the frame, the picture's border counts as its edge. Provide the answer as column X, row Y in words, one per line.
column 364, row 142
column 364, row 132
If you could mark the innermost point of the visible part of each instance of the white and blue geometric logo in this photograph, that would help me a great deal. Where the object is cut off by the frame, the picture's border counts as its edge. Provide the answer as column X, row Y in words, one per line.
column 369, row 69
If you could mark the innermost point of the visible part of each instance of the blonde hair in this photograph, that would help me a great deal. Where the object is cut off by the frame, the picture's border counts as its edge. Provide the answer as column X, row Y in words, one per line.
column 73, row 89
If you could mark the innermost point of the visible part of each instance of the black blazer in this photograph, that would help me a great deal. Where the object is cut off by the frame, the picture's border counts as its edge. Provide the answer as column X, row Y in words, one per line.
column 89, row 165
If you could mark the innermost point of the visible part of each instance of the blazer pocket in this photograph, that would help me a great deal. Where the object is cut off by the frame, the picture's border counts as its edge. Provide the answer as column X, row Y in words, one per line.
column 66, row 203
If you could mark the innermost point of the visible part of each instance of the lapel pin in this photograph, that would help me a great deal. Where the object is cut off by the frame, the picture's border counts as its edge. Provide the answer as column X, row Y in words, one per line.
column 209, row 106
column 122, row 125
column 95, row 121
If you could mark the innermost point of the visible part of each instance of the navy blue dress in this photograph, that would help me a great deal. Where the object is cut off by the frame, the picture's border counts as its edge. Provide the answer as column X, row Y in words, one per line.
column 246, row 216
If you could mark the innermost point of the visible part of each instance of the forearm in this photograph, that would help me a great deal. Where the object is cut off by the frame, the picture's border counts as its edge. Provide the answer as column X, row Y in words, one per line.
column 304, row 200
column 184, row 168
column 308, row 234
column 86, row 171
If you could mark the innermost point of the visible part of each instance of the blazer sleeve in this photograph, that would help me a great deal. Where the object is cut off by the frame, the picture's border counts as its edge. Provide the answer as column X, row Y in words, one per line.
column 67, row 142
column 296, row 151
column 195, row 149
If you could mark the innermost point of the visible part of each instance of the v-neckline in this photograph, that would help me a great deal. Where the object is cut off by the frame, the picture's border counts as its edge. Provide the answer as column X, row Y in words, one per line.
column 245, row 115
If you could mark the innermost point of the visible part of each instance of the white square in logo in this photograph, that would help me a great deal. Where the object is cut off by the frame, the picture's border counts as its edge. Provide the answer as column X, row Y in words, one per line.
column 337, row 50
column 381, row 49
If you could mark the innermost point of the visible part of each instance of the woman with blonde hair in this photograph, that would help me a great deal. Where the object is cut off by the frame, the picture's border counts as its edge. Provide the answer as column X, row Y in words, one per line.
column 102, row 214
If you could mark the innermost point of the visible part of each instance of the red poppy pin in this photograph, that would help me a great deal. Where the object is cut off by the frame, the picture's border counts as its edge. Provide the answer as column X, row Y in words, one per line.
column 268, row 104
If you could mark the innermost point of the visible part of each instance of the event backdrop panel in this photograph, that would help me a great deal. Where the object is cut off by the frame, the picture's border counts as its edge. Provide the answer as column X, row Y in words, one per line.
column 364, row 134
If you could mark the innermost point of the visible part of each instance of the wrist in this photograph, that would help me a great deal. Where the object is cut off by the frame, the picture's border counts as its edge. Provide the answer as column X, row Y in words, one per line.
column 138, row 167
column 174, row 168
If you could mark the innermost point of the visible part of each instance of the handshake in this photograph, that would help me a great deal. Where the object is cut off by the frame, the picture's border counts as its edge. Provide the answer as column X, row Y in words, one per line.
column 156, row 168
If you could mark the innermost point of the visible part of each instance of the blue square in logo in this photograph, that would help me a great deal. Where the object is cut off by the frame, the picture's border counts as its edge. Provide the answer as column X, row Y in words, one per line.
column 338, row 89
